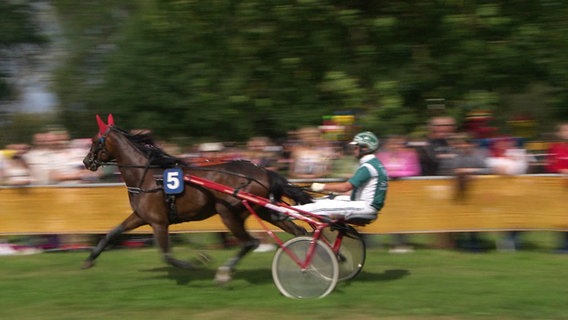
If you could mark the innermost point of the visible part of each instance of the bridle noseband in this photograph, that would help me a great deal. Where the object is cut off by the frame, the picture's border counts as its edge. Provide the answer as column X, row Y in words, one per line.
column 94, row 155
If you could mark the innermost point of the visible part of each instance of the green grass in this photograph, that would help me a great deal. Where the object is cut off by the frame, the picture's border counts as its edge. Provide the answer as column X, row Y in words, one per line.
column 425, row 284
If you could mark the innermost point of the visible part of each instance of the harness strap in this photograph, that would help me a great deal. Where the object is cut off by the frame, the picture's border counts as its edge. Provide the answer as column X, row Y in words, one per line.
column 137, row 190
column 173, row 216
column 239, row 188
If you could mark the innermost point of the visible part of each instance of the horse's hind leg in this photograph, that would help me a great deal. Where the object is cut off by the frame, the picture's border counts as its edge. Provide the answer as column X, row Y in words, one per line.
column 130, row 223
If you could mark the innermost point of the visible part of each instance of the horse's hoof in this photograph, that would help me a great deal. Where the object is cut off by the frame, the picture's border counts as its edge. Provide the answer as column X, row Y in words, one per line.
column 87, row 264
column 223, row 275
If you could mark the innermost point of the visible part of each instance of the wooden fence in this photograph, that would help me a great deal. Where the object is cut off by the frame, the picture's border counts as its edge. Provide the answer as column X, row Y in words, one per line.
column 493, row 203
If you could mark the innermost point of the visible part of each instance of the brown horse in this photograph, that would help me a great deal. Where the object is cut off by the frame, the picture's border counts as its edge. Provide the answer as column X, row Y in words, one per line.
column 140, row 162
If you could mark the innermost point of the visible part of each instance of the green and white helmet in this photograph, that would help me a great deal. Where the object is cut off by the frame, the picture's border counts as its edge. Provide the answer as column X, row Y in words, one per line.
column 366, row 139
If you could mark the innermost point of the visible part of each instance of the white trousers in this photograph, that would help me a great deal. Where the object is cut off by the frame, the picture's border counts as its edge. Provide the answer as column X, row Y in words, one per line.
column 338, row 208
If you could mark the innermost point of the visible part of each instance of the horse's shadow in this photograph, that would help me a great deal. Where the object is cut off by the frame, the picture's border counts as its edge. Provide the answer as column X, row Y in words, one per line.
column 259, row 275
column 387, row 275
column 185, row 277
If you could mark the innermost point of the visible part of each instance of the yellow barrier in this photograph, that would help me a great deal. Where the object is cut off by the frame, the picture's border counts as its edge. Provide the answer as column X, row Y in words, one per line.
column 416, row 205
column 492, row 203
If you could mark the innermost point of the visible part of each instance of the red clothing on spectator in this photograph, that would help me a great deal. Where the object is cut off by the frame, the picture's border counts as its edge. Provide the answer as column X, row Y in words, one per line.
column 557, row 157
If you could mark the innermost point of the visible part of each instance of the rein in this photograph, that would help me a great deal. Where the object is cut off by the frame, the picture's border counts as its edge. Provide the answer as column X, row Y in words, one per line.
column 240, row 175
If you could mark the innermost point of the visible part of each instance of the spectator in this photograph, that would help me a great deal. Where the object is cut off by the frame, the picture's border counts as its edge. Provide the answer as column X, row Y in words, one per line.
column 557, row 162
column 77, row 149
column 258, row 153
column 285, row 155
column 507, row 158
column 468, row 161
column 311, row 157
column 53, row 160
column 211, row 153
column 399, row 161
column 435, row 156
column 14, row 169
column 343, row 164
column 40, row 158
column 436, row 151
column 67, row 166
column 3, row 155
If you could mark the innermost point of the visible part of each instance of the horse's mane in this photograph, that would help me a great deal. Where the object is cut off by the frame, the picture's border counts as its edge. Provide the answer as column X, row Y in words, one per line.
column 145, row 143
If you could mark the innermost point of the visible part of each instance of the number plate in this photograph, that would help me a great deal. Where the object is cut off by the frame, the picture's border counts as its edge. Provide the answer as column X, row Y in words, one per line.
column 173, row 181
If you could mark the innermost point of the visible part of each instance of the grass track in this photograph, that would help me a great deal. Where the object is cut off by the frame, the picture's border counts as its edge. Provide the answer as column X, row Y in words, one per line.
column 426, row 284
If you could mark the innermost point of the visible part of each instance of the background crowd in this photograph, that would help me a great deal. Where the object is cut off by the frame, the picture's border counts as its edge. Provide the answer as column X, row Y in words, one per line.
column 54, row 158
column 446, row 150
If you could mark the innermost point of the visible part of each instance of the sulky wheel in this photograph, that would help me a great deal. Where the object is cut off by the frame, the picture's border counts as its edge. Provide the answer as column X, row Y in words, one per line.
column 316, row 280
column 352, row 252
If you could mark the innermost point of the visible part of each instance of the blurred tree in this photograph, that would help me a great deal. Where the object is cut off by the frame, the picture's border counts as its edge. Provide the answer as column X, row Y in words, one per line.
column 17, row 30
column 233, row 69
column 91, row 30
column 21, row 127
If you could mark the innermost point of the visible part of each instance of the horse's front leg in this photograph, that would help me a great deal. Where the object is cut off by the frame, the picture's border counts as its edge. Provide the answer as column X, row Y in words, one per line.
column 162, row 237
column 132, row 222
column 236, row 224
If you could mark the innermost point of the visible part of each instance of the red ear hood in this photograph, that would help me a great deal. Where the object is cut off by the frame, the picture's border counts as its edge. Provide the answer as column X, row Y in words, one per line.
column 103, row 127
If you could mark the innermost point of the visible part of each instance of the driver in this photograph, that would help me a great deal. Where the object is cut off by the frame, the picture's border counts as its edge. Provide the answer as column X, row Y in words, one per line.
column 368, row 186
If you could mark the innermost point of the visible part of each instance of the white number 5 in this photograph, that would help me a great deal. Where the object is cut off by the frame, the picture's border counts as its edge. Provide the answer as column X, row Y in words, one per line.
column 173, row 183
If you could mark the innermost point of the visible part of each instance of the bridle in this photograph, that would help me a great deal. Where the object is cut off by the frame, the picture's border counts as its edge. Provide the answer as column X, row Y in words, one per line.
column 94, row 154
column 101, row 147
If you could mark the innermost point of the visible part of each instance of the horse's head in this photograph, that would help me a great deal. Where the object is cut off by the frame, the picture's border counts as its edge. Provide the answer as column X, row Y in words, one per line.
column 99, row 153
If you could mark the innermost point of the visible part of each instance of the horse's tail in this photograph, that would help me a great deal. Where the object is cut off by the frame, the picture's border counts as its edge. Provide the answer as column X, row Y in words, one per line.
column 280, row 187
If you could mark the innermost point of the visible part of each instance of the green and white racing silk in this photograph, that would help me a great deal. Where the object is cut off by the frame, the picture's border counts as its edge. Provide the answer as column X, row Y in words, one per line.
column 370, row 182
